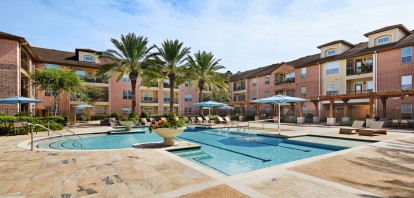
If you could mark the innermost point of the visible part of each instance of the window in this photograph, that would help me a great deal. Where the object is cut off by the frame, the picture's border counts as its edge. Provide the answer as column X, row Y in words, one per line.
column 147, row 96
column 51, row 66
column 80, row 72
column 267, row 80
column 187, row 84
column 254, row 83
column 358, row 87
column 267, row 94
column 148, row 110
column 167, row 97
column 100, row 110
column 188, row 97
column 332, row 68
column 187, row 111
column 125, row 78
column 383, row 40
column 332, row 89
column 304, row 109
column 303, row 72
column 50, row 93
column 406, row 53
column 290, row 75
column 406, row 111
column 89, row 58
column 370, row 86
column 126, row 111
column 290, row 92
column 267, row 110
column 126, row 94
column 254, row 97
column 330, row 52
column 166, row 110
column 303, row 91
column 406, row 82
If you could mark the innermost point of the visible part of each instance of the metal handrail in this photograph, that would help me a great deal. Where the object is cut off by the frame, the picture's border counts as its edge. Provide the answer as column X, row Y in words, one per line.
column 48, row 134
column 48, row 126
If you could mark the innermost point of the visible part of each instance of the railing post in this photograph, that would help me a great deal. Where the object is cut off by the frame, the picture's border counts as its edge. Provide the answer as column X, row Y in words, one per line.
column 31, row 138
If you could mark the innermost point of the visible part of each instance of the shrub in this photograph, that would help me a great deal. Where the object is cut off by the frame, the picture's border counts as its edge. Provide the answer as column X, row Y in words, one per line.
column 114, row 115
column 249, row 117
column 213, row 117
column 99, row 117
column 289, row 120
column 145, row 114
column 309, row 118
column 346, row 123
column 235, row 117
column 60, row 122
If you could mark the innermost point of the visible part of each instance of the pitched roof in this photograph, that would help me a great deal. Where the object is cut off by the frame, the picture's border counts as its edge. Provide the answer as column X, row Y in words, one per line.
column 399, row 26
column 335, row 42
column 64, row 58
column 261, row 71
column 21, row 40
column 305, row 61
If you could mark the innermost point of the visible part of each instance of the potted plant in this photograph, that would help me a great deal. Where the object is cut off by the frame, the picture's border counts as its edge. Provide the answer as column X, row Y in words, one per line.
column 128, row 121
column 169, row 129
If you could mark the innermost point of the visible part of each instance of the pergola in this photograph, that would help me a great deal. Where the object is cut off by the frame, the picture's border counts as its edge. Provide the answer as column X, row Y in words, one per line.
column 383, row 96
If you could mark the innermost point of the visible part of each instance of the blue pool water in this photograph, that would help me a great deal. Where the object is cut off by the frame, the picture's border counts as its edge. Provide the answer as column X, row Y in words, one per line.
column 226, row 152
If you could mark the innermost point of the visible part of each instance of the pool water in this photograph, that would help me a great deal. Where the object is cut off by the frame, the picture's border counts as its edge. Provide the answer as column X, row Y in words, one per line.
column 229, row 153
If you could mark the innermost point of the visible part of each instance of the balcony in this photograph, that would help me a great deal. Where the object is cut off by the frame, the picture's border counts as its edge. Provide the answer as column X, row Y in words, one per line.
column 239, row 88
column 167, row 101
column 332, row 93
column 93, row 79
column 149, row 100
column 359, row 91
column 358, row 70
column 240, row 98
column 285, row 81
column 167, row 85
column 150, row 85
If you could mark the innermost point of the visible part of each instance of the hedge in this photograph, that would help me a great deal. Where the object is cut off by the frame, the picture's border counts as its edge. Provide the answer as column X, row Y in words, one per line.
column 8, row 129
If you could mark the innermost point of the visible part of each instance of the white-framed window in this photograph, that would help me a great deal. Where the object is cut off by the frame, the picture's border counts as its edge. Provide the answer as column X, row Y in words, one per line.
column 406, row 82
column 187, row 84
column 167, row 97
column 166, row 110
column 80, row 72
column 332, row 68
column 51, row 66
column 188, row 97
column 187, row 111
column 50, row 93
column 267, row 94
column 406, row 54
column 267, row 110
column 332, row 89
column 303, row 91
column 125, row 78
column 126, row 94
column 303, row 72
column 254, row 96
column 304, row 109
column 267, row 80
column 290, row 93
column 254, row 83
column 126, row 111
column 370, row 86
column 148, row 110
column 383, row 40
column 406, row 111
column 88, row 58
column 330, row 52
column 148, row 96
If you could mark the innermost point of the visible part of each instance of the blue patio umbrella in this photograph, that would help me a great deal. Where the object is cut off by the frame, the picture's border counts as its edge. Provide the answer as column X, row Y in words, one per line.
column 83, row 106
column 19, row 100
column 209, row 104
column 227, row 108
column 279, row 99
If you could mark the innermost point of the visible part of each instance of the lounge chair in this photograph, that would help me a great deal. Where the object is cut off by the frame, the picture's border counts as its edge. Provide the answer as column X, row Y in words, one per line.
column 186, row 120
column 404, row 123
column 193, row 120
column 113, row 122
column 206, row 120
column 355, row 127
column 228, row 120
column 395, row 123
column 199, row 120
column 376, row 127
column 145, row 122
column 220, row 119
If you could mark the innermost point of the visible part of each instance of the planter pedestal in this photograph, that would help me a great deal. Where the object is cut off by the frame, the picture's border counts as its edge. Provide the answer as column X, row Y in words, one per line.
column 168, row 134
column 301, row 120
column 127, row 124
column 316, row 120
column 330, row 121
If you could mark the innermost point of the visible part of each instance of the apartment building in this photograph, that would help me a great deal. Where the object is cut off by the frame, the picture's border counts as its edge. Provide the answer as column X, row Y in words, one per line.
column 18, row 59
column 343, row 81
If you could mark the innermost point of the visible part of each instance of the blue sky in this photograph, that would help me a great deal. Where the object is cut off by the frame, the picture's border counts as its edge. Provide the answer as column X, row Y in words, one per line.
column 245, row 34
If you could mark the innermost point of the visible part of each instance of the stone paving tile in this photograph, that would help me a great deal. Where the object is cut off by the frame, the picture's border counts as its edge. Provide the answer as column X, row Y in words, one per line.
column 216, row 192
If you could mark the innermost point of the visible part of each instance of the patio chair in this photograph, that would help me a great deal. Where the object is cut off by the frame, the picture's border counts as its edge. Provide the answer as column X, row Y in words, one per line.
column 355, row 127
column 404, row 123
column 145, row 122
column 376, row 127
column 193, row 120
column 17, row 126
column 152, row 120
column 186, row 120
column 113, row 122
column 221, row 121
column 206, row 120
column 228, row 120
column 395, row 123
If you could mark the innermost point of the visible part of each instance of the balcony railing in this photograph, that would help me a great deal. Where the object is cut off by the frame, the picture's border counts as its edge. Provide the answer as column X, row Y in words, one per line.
column 167, row 101
column 103, row 98
column 149, row 100
column 150, row 85
column 94, row 79
column 360, row 91
column 285, row 81
column 239, row 88
column 365, row 69
column 167, row 85
column 331, row 93
column 239, row 98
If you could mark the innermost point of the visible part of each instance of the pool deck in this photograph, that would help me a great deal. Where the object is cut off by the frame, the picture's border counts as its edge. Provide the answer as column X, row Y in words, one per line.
column 381, row 169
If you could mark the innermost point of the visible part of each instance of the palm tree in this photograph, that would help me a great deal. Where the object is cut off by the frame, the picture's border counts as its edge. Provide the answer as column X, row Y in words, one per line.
column 130, row 58
column 203, row 70
column 170, row 59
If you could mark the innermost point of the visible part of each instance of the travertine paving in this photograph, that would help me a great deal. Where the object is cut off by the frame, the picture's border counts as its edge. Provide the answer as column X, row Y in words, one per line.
column 379, row 169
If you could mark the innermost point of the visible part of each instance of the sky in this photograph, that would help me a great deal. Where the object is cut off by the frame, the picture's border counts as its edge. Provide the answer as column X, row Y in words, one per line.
column 244, row 34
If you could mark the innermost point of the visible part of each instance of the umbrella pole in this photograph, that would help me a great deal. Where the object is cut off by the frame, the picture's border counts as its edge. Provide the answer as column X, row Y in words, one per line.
column 278, row 122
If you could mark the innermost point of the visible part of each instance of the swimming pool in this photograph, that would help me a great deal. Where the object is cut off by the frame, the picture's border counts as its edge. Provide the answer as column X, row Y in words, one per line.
column 227, row 152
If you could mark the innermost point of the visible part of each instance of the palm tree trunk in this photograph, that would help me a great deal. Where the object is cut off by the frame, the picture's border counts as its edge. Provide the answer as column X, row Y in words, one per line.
column 133, row 77
column 200, row 99
column 172, row 81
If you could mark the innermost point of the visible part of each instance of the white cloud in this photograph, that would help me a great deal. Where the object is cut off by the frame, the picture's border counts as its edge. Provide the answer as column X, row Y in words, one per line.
column 244, row 34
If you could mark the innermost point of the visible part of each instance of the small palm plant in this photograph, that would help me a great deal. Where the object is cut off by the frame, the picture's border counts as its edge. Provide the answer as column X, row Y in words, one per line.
column 130, row 58
column 204, row 71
